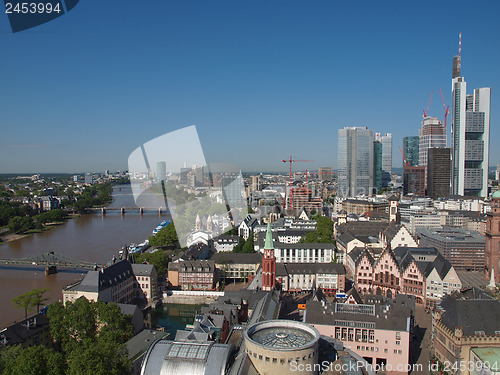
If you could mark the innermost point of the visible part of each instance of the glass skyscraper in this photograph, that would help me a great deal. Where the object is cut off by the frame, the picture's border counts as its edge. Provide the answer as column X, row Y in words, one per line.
column 410, row 150
column 470, row 133
column 355, row 161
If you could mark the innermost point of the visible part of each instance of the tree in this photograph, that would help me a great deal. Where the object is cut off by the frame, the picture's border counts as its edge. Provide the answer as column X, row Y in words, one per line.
column 99, row 357
column 159, row 259
column 322, row 234
column 36, row 360
column 165, row 237
column 15, row 224
column 24, row 301
column 73, row 324
column 37, row 298
column 248, row 246
column 239, row 248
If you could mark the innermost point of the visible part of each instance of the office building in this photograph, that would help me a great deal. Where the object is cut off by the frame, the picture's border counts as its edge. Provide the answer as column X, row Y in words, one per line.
column 470, row 132
column 386, row 141
column 254, row 183
column 411, row 150
column 161, row 172
column 325, row 174
column 438, row 172
column 377, row 165
column 355, row 161
column 431, row 134
column 414, row 181
column 464, row 249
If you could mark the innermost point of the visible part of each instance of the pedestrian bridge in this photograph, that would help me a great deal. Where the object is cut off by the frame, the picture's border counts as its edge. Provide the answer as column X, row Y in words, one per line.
column 51, row 259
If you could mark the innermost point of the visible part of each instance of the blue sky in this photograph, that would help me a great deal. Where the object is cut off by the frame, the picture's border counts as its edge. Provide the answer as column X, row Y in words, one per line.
column 261, row 80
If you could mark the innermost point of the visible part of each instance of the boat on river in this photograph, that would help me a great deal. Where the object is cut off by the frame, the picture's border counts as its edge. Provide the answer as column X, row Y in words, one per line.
column 162, row 225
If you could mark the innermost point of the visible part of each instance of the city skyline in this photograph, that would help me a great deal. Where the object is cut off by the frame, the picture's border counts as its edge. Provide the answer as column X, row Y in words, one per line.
column 81, row 98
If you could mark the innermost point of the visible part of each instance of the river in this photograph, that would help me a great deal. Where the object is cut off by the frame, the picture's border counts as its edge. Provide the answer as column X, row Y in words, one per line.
column 92, row 237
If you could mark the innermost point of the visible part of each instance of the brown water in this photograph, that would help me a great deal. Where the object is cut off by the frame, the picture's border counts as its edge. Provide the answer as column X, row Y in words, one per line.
column 91, row 237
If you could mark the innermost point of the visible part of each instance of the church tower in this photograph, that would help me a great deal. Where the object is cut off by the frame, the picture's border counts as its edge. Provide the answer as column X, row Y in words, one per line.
column 268, row 262
column 492, row 245
column 393, row 209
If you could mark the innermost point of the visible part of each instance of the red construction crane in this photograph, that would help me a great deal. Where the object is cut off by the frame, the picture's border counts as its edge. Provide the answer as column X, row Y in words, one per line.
column 405, row 163
column 426, row 111
column 446, row 111
column 291, row 161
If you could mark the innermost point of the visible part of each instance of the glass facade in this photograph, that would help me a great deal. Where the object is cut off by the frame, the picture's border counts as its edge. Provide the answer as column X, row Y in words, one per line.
column 411, row 150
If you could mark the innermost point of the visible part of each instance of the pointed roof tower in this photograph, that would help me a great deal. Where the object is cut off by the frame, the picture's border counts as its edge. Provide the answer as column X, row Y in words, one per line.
column 269, row 238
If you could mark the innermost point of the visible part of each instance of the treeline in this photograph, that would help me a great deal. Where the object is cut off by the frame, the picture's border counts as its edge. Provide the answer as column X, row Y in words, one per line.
column 89, row 339
column 95, row 195
column 20, row 218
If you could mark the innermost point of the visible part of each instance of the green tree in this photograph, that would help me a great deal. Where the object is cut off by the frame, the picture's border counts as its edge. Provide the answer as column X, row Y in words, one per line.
column 159, row 259
column 36, row 360
column 37, row 298
column 239, row 248
column 15, row 224
column 100, row 357
column 24, row 301
column 322, row 234
column 77, row 322
column 248, row 247
column 165, row 237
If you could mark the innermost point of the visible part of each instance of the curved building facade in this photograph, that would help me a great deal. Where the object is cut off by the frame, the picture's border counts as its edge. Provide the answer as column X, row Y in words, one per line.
column 282, row 347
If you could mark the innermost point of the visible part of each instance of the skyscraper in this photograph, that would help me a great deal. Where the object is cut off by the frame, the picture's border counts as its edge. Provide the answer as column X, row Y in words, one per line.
column 470, row 135
column 386, row 141
column 414, row 181
column 438, row 172
column 325, row 173
column 410, row 150
column 377, row 164
column 161, row 171
column 431, row 134
column 355, row 161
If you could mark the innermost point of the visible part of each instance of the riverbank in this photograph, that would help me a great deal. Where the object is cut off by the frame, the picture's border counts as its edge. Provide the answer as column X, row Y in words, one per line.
column 9, row 237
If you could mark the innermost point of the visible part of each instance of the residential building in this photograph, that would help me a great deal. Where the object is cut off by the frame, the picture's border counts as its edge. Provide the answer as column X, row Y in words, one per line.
column 192, row 275
column 438, row 172
column 464, row 249
column 146, row 287
column 411, row 150
column 246, row 227
column 492, row 244
column 414, row 181
column 355, row 161
column 464, row 322
column 299, row 277
column 470, row 136
column 304, row 252
column 378, row 330
column 225, row 243
column 33, row 331
column 421, row 272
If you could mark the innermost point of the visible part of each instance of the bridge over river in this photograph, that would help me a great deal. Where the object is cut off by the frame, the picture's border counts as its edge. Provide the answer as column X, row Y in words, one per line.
column 140, row 210
column 51, row 261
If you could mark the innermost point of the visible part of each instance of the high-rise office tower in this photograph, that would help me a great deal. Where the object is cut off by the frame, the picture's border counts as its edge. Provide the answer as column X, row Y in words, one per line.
column 470, row 135
column 161, row 171
column 438, row 172
column 410, row 150
column 414, row 180
column 386, row 141
column 355, row 161
column 254, row 183
column 325, row 174
column 431, row 134
column 377, row 164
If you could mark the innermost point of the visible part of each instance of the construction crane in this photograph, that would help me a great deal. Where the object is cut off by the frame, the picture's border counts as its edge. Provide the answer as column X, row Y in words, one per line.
column 446, row 111
column 405, row 162
column 291, row 161
column 426, row 111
